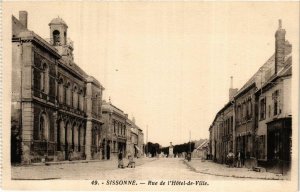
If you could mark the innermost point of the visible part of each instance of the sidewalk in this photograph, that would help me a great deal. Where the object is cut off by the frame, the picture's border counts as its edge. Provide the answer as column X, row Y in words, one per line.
column 138, row 161
column 212, row 168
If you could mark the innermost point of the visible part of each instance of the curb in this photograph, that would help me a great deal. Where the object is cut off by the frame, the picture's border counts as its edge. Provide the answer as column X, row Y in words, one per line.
column 224, row 175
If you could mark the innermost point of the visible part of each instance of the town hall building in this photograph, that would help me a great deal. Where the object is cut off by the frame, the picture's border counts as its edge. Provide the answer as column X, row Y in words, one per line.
column 56, row 106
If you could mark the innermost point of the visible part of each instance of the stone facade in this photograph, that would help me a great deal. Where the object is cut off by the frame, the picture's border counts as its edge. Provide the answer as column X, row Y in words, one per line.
column 136, row 146
column 273, row 123
column 261, row 115
column 56, row 106
column 115, row 127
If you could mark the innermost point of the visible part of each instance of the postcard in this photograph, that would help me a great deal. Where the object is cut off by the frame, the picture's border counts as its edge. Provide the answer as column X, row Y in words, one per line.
column 150, row 95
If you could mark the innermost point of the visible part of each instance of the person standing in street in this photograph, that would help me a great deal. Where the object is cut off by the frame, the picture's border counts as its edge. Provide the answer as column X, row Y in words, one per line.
column 230, row 158
column 120, row 160
column 242, row 159
column 239, row 164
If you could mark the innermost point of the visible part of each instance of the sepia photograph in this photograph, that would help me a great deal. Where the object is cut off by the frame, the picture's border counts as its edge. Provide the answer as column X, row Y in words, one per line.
column 150, row 95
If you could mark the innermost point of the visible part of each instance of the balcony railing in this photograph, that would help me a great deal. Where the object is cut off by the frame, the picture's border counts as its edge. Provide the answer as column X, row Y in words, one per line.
column 44, row 147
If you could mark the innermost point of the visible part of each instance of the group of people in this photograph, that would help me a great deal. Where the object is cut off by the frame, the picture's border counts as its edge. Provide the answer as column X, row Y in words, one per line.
column 131, row 162
column 235, row 161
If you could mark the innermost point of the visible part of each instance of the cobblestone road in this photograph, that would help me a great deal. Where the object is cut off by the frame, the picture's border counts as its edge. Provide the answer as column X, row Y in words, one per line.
column 147, row 168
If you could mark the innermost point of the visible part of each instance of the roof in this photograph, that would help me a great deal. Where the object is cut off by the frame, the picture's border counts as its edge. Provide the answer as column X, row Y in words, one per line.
column 107, row 106
column 261, row 76
column 22, row 33
column 92, row 79
column 58, row 21
column 256, row 78
column 205, row 142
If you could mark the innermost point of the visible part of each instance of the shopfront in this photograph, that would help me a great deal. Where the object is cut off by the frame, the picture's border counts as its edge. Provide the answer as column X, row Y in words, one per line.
column 279, row 145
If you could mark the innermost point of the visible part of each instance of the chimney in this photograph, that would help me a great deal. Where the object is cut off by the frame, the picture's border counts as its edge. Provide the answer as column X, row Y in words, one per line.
column 23, row 17
column 232, row 91
column 279, row 47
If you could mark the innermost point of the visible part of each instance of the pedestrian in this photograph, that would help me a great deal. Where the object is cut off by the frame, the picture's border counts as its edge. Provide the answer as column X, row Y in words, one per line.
column 70, row 155
column 189, row 156
column 239, row 163
column 120, row 160
column 131, row 162
column 230, row 158
column 242, row 159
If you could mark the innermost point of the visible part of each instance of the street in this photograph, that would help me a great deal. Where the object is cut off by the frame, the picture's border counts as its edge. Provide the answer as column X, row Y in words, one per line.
column 147, row 168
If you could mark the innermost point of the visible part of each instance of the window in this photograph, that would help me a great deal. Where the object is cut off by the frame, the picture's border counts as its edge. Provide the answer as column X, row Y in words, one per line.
column 275, row 97
column 60, row 135
column 269, row 111
column 262, row 108
column 61, row 90
column 114, row 127
column 76, row 137
column 95, row 104
column 81, row 137
column 75, row 97
column 68, row 94
column 81, row 100
column 250, row 108
column 43, row 127
column 69, row 133
column 44, row 78
column 239, row 113
column 244, row 111
column 56, row 38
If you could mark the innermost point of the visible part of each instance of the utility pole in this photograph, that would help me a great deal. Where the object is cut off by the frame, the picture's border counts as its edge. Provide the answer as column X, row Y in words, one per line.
column 147, row 141
column 190, row 142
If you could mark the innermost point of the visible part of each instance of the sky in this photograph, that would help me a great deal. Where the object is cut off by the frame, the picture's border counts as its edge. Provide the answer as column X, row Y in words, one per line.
column 168, row 64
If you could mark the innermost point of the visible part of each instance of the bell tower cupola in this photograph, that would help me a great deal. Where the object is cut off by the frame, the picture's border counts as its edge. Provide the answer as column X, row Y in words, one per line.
column 58, row 31
column 59, row 38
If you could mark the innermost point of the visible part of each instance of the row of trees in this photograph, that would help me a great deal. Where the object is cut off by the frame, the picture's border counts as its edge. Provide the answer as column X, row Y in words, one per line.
column 155, row 149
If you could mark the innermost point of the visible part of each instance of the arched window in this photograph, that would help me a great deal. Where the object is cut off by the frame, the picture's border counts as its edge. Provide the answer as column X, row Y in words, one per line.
column 60, row 135
column 80, row 100
column 81, row 137
column 68, row 94
column 61, row 91
column 56, row 38
column 65, row 37
column 44, row 78
column 95, row 104
column 69, row 133
column 43, row 127
column 114, row 126
column 75, row 97
column 75, row 137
